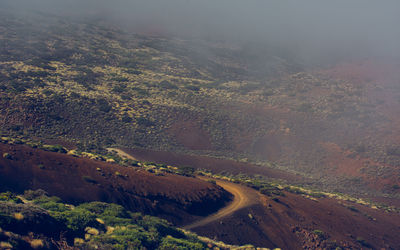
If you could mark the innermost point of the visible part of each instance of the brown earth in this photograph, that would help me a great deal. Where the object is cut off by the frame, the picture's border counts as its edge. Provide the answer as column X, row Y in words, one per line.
column 190, row 135
column 213, row 164
column 346, row 163
column 288, row 222
column 75, row 180
column 327, row 145
column 292, row 221
column 268, row 146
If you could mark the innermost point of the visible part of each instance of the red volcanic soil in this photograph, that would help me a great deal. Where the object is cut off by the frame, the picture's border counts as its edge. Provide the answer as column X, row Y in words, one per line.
column 379, row 81
column 345, row 163
column 269, row 146
column 75, row 180
column 190, row 135
column 290, row 221
column 339, row 163
column 213, row 164
column 366, row 71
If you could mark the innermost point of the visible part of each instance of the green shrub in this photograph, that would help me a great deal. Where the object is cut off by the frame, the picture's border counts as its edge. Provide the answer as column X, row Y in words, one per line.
column 129, row 237
column 119, row 88
column 294, row 190
column 10, row 197
column 317, row 194
column 142, row 121
column 48, row 92
column 77, row 219
column 167, row 85
column 126, row 118
column 185, row 171
column 37, row 73
column 363, row 242
column 120, row 79
column 161, row 226
column 172, row 243
column 141, row 92
column 133, row 163
column 34, row 194
column 255, row 184
column 103, row 209
column 321, row 234
column 133, row 71
column 54, row 206
column 103, row 105
column 54, row 148
column 130, row 230
column 41, row 199
column 18, row 86
column 193, row 88
column 270, row 191
column 7, row 156
column 126, row 96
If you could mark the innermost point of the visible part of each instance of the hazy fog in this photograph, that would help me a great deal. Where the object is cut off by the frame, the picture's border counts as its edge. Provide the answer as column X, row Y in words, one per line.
column 311, row 28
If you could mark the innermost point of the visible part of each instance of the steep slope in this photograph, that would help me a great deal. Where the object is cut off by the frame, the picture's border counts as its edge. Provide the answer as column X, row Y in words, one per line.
column 289, row 220
column 296, row 222
column 75, row 180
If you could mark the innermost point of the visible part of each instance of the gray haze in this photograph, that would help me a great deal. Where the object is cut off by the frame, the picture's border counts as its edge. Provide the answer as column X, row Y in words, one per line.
column 313, row 29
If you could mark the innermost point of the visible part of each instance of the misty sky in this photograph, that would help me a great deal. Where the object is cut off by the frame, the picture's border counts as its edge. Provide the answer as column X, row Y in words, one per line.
column 314, row 28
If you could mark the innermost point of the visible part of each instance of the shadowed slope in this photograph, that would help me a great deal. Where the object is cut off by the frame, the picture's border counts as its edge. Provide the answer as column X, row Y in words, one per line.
column 177, row 198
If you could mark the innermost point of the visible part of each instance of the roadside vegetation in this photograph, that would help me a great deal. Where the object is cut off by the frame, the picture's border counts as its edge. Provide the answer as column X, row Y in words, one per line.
column 34, row 220
column 267, row 186
column 90, row 224
column 276, row 188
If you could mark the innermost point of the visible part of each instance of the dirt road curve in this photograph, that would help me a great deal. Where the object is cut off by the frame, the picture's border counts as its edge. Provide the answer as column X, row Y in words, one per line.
column 241, row 198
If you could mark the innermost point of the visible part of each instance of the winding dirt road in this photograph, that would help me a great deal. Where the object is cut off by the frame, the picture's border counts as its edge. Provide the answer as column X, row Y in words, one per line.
column 242, row 197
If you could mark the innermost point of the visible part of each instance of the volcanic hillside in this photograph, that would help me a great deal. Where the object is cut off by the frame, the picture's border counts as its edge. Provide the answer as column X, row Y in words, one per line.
column 88, row 81
column 98, row 86
column 260, row 214
column 75, row 180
